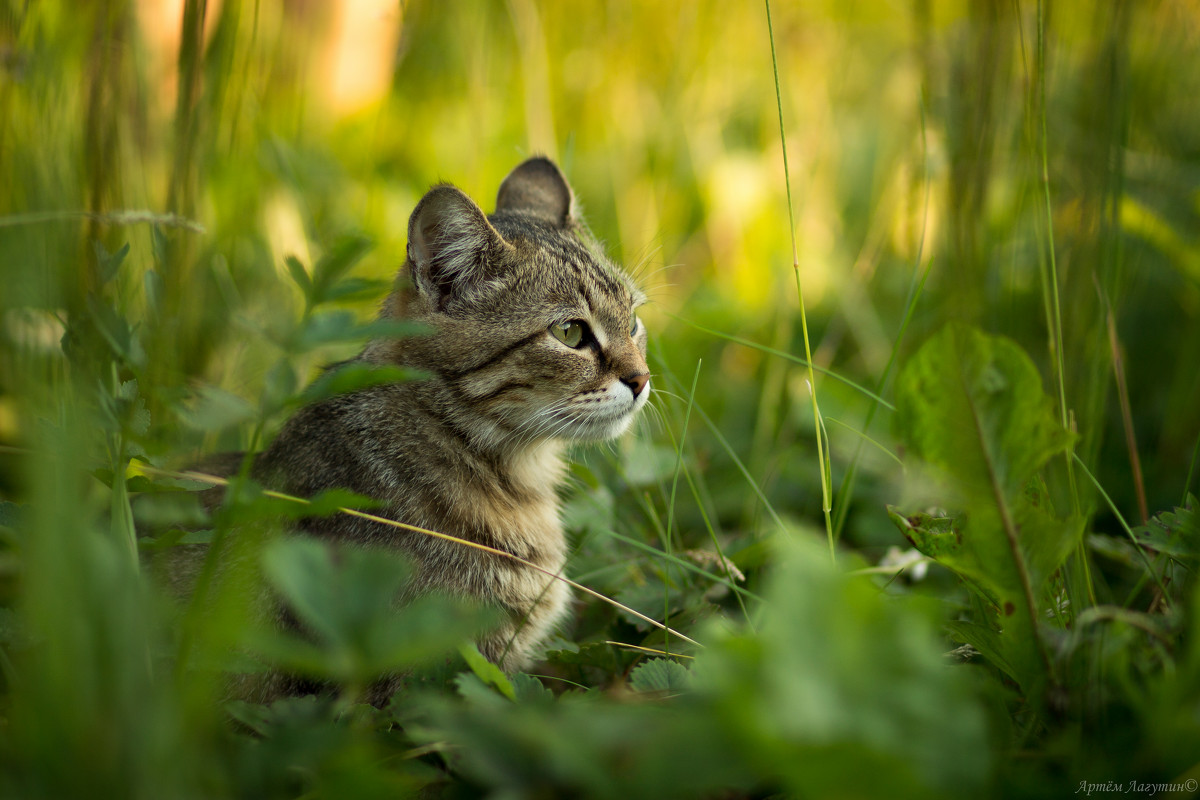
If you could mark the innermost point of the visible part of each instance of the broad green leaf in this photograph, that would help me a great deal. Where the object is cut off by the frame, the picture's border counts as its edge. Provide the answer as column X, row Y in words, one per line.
column 1175, row 533
column 941, row 538
column 987, row 641
column 660, row 675
column 346, row 603
column 974, row 416
column 935, row 536
column 842, row 691
column 331, row 501
column 173, row 537
column 530, row 690
column 973, row 407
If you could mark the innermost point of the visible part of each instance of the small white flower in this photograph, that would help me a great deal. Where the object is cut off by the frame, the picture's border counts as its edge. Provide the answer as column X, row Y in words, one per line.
column 911, row 560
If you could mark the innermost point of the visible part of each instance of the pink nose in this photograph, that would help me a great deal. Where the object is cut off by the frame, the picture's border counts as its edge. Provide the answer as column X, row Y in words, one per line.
column 636, row 383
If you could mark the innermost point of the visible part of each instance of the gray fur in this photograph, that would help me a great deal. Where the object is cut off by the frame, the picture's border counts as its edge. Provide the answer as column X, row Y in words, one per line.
column 475, row 450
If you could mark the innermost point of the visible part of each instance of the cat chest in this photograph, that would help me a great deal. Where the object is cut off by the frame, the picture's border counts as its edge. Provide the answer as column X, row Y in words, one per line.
column 530, row 531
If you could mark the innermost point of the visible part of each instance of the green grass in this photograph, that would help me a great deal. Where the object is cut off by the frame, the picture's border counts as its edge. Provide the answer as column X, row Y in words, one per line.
column 989, row 213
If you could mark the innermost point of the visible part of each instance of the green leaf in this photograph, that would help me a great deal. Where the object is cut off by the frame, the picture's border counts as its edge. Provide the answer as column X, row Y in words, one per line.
column 135, row 484
column 280, row 385
column 1174, row 533
column 837, row 678
column 987, row 642
column 979, row 426
column 116, row 332
column 352, row 630
column 354, row 376
column 250, row 502
column 486, row 671
column 332, row 327
column 337, row 262
column 331, row 501
column 299, row 275
column 136, row 414
column 589, row 512
column 109, row 263
column 530, row 690
column 215, row 409
column 972, row 406
column 660, row 675
column 354, row 289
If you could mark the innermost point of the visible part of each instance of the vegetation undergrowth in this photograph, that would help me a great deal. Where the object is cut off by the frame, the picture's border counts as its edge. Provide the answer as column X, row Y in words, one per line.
column 994, row 290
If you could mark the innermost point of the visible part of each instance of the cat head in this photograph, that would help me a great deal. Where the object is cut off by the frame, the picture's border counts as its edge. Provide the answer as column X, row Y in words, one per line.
column 536, row 334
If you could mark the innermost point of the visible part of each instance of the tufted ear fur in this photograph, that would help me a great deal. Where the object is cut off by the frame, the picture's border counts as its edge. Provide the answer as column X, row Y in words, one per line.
column 450, row 244
column 537, row 187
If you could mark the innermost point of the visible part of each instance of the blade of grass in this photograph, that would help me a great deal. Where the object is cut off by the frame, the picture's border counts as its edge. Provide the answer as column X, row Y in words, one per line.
column 680, row 466
column 781, row 354
column 1187, row 484
column 866, row 439
column 712, row 427
column 1135, row 462
column 822, row 455
column 1124, row 526
column 687, row 565
column 1054, row 323
column 641, row 649
column 687, row 418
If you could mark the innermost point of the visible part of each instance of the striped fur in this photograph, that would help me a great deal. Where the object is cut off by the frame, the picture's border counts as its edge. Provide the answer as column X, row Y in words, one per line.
column 476, row 449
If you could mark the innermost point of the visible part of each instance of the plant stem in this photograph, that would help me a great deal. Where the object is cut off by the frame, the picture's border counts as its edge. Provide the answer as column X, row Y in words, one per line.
column 822, row 456
column 1055, row 324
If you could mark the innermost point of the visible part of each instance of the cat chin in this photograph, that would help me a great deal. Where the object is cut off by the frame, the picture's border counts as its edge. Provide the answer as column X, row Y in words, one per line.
column 601, row 430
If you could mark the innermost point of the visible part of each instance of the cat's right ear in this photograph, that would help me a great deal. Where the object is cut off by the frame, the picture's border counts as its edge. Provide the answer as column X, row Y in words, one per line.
column 538, row 187
column 450, row 243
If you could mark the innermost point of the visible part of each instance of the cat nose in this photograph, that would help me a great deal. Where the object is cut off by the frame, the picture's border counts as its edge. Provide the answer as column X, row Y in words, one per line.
column 636, row 383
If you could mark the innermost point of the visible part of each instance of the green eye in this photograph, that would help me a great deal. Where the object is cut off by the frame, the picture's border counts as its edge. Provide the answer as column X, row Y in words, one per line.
column 633, row 328
column 569, row 333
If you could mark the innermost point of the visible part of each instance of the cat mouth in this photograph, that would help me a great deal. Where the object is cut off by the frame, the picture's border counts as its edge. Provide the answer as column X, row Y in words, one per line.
column 599, row 423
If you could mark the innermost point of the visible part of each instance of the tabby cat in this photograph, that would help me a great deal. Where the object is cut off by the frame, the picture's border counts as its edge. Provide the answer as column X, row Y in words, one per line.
column 534, row 342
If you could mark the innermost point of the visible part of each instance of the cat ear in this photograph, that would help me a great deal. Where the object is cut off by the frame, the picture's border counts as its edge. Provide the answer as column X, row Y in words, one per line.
column 450, row 242
column 537, row 187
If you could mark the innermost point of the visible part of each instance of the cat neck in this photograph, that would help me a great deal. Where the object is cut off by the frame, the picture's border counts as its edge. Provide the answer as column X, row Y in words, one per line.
column 538, row 467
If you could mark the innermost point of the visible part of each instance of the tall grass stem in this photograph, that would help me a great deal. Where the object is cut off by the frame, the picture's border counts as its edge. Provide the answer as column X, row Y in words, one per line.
column 822, row 455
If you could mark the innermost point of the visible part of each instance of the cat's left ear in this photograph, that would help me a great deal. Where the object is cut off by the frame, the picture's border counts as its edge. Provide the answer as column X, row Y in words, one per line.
column 538, row 187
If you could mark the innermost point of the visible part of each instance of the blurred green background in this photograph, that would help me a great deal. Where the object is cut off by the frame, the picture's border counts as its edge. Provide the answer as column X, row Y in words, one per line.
column 1034, row 161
